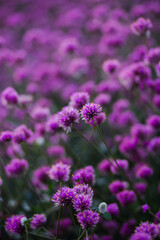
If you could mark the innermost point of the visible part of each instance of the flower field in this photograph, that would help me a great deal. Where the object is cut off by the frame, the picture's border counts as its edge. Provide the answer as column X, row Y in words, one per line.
column 80, row 120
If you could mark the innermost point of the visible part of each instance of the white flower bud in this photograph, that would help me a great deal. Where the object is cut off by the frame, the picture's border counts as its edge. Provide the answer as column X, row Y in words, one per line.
column 23, row 219
column 102, row 207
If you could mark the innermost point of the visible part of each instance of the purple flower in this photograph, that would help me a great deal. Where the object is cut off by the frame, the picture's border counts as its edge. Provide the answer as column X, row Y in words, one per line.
column 144, row 171
column 117, row 186
column 141, row 26
column 37, row 220
column 149, row 228
column 88, row 219
column 141, row 187
column 141, row 236
column 84, row 175
column 103, row 99
column 104, row 166
column 83, row 188
column 21, row 134
column 9, row 97
column 6, row 136
column 68, row 117
column 82, row 202
column 154, row 55
column 78, row 99
column 98, row 119
column 110, row 66
column 90, row 111
column 113, row 209
column 154, row 121
column 52, row 125
column 16, row 167
column 126, row 197
column 59, row 172
column 40, row 113
column 128, row 228
column 13, row 224
column 145, row 207
column 63, row 196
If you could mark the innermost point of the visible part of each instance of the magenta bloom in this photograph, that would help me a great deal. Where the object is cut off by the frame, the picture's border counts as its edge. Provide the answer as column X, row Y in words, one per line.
column 21, row 134
column 141, row 26
column 144, row 171
column 9, row 97
column 145, row 207
column 110, row 66
column 84, row 175
column 141, row 236
column 126, row 197
column 6, row 136
column 60, row 172
column 104, row 166
column 68, row 117
column 88, row 219
column 117, row 186
column 82, row 202
column 37, row 220
column 83, row 188
column 78, row 99
column 13, row 224
column 16, row 167
column 90, row 110
column 63, row 196
column 113, row 209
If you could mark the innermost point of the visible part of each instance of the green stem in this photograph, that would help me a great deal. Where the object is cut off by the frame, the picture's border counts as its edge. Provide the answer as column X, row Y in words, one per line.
column 92, row 233
column 73, row 220
column 40, row 236
column 59, row 214
column 87, row 235
column 81, row 234
column 26, row 230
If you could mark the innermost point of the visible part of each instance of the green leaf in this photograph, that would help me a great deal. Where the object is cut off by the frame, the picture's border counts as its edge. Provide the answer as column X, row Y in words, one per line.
column 107, row 216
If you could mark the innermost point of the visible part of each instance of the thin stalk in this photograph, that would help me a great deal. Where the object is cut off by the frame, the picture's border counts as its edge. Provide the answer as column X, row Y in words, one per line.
column 26, row 230
column 81, row 234
column 92, row 233
column 73, row 220
column 40, row 236
column 87, row 235
column 59, row 215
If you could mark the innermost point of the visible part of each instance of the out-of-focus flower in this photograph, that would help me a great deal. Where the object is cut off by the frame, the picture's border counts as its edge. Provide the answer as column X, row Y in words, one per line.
column 59, row 172
column 78, row 99
column 37, row 220
column 126, row 197
column 141, row 26
column 13, row 224
column 84, row 175
column 9, row 97
column 16, row 167
column 90, row 111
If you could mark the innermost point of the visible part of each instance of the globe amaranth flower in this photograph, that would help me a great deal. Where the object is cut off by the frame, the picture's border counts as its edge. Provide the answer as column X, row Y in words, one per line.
column 98, row 119
column 83, row 188
column 113, row 209
column 88, row 219
column 128, row 228
column 6, row 136
column 63, row 196
column 68, row 117
column 82, row 202
column 52, row 124
column 16, row 167
column 141, row 187
column 78, row 99
column 84, row 175
column 40, row 113
column 126, row 197
column 90, row 110
column 154, row 121
column 117, row 186
column 141, row 236
column 149, row 228
column 9, row 97
column 110, row 66
column 154, row 55
column 37, row 220
column 13, row 224
column 144, row 171
column 141, row 26
column 21, row 134
column 145, row 207
column 60, row 172
column 104, row 166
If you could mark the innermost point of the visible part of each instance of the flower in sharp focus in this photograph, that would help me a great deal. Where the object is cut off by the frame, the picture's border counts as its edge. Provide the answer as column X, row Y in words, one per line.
column 60, row 172
column 90, row 110
column 37, row 220
column 88, row 219
column 63, row 196
column 68, row 117
column 82, row 202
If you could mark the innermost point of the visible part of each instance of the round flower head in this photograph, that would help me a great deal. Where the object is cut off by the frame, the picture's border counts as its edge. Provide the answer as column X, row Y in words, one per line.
column 141, row 236
column 78, row 99
column 141, row 26
column 9, row 97
column 144, row 171
column 52, row 125
column 154, row 121
column 88, row 219
column 154, row 55
column 16, row 167
column 40, row 113
column 145, row 207
column 98, row 119
column 21, row 134
column 13, row 224
column 63, row 196
column 60, row 172
column 126, row 197
column 104, row 166
column 102, row 207
column 68, row 117
column 82, row 202
column 149, row 228
column 6, row 136
column 90, row 110
column 84, row 175
column 117, row 186
column 37, row 220
column 113, row 209
column 83, row 188
column 110, row 66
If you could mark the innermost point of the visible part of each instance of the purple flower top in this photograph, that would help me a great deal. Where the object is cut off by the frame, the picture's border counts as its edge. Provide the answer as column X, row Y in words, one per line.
column 88, row 219
column 13, row 224
column 52, row 124
column 126, row 197
column 149, row 228
column 16, row 167
column 42, row 174
column 154, row 55
column 9, row 97
column 6, row 136
column 90, row 111
column 117, row 186
column 78, row 99
column 84, row 175
column 104, row 166
column 144, row 171
column 113, row 209
column 154, row 121
column 83, row 188
column 21, row 134
column 37, row 220
column 63, row 196
column 141, row 26
column 60, row 172
column 145, row 207
column 82, row 202
column 110, row 66
column 68, row 117
column 141, row 236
